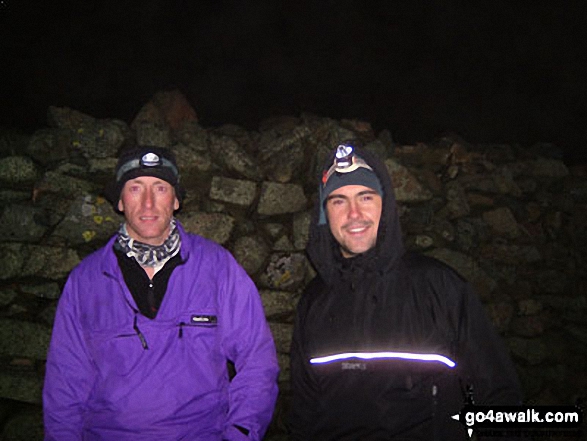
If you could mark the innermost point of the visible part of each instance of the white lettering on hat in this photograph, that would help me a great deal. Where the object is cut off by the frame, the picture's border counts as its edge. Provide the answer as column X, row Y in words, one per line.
column 150, row 160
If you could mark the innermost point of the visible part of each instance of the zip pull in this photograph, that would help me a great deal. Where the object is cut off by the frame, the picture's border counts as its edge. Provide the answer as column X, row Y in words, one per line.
column 181, row 325
column 140, row 334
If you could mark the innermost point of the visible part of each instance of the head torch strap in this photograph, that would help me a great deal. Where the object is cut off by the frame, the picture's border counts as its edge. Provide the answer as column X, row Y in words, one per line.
column 137, row 163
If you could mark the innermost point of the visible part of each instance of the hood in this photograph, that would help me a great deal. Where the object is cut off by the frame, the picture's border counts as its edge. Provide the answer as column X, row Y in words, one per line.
column 323, row 250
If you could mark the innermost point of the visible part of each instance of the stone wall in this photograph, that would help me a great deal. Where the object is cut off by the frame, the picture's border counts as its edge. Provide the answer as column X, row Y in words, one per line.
column 510, row 221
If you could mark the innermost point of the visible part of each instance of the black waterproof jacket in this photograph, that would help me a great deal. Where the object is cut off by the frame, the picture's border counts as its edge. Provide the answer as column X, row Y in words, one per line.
column 387, row 300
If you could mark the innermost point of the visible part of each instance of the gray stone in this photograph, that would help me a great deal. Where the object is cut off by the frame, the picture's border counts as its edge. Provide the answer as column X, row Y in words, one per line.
column 251, row 252
column 26, row 387
column 285, row 272
column 301, row 229
column 214, row 226
column 18, row 260
column 281, row 199
column 468, row 268
column 24, row 339
column 47, row 315
column 94, row 138
column 50, row 262
column 234, row 191
column 284, row 377
column 45, row 291
column 500, row 315
column 277, row 303
column 405, row 185
column 49, row 146
column 17, row 170
column 578, row 332
column 23, row 223
column 11, row 260
column 530, row 325
column 152, row 133
column 66, row 186
column 511, row 254
column 457, row 204
column 192, row 158
column 228, row 153
column 503, row 222
column 529, row 307
column 530, row 350
column 550, row 168
column 90, row 219
column 283, row 157
column 283, row 244
column 7, row 296
column 25, row 426
column 282, row 334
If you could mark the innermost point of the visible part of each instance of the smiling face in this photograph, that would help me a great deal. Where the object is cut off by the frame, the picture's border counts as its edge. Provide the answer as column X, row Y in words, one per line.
column 353, row 214
column 148, row 204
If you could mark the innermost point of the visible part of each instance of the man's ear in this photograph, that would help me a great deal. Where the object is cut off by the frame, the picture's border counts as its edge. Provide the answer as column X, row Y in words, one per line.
column 120, row 205
column 175, row 204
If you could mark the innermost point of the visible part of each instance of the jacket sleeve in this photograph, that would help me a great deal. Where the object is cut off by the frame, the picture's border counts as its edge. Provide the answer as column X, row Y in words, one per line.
column 485, row 362
column 303, row 411
column 69, row 372
column 247, row 342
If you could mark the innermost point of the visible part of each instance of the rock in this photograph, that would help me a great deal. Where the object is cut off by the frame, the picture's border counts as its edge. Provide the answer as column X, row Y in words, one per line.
column 531, row 350
column 530, row 326
column 457, row 205
column 234, row 158
column 174, row 108
column 17, row 170
column 500, row 315
column 503, row 222
column 468, row 268
column 282, row 333
column 547, row 168
column 234, row 191
column 25, row 387
column 301, row 229
column 282, row 157
column 285, row 272
column 7, row 295
column 281, row 199
column 94, row 138
column 25, row 426
column 90, row 219
column 23, row 223
column 511, row 254
column 214, row 226
column 24, row 339
column 405, row 185
column 251, row 252
column 45, row 290
column 277, row 303
column 50, row 146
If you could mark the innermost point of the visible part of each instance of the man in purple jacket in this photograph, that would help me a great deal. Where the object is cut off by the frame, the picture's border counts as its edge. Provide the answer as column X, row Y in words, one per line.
column 146, row 325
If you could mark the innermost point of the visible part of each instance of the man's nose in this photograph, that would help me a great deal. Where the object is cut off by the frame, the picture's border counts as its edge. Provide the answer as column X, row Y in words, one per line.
column 148, row 199
column 354, row 210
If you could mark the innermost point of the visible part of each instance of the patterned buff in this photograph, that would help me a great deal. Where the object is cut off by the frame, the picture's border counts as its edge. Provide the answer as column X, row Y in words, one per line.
column 150, row 255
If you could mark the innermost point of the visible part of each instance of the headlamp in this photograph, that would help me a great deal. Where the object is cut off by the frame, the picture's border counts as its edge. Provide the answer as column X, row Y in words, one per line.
column 345, row 161
column 146, row 161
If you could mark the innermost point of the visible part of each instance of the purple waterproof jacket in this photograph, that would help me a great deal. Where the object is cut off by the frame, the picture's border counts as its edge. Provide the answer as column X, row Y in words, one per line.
column 114, row 374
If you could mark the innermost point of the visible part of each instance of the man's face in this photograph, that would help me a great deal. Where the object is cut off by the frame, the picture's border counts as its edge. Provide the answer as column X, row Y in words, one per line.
column 148, row 204
column 353, row 214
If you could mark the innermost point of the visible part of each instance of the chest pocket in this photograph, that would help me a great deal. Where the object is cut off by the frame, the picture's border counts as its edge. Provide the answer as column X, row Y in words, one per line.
column 199, row 329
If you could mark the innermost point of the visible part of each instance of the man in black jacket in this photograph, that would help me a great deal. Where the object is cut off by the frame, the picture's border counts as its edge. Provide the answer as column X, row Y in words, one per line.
column 387, row 344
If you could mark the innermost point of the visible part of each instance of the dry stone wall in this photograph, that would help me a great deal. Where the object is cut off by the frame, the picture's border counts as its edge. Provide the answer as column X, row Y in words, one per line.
column 510, row 221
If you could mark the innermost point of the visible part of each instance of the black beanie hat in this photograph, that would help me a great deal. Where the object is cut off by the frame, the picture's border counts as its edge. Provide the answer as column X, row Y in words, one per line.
column 145, row 161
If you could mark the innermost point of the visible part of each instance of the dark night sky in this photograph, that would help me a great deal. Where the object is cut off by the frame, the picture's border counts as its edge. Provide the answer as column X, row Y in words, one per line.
column 495, row 71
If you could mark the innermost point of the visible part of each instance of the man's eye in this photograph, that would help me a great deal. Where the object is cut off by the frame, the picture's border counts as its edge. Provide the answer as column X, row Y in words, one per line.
column 161, row 188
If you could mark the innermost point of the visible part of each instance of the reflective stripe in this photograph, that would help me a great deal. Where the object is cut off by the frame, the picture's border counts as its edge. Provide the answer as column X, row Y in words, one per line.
column 384, row 355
